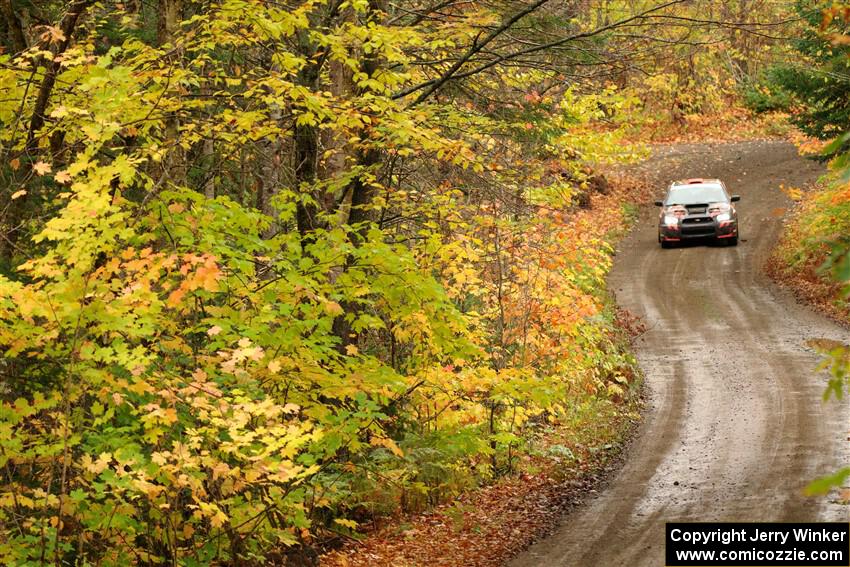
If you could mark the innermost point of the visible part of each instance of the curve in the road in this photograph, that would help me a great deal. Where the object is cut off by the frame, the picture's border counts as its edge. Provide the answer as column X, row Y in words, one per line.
column 736, row 424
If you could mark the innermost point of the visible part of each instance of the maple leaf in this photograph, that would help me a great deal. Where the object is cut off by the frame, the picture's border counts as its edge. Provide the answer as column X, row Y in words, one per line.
column 214, row 330
column 41, row 168
column 18, row 194
column 53, row 34
column 175, row 297
column 62, row 177
column 333, row 308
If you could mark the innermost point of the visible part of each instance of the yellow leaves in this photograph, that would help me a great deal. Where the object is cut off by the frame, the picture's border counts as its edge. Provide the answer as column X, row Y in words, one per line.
column 247, row 352
column 188, row 530
column 333, row 308
column 211, row 511
column 793, row 193
column 249, row 418
column 81, row 164
column 18, row 194
column 155, row 414
column 350, row 524
column 41, row 168
column 149, row 489
column 386, row 442
column 96, row 467
column 140, row 387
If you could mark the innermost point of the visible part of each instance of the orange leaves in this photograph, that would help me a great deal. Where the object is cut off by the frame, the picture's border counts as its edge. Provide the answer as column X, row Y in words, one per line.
column 52, row 34
column 176, row 297
column 201, row 272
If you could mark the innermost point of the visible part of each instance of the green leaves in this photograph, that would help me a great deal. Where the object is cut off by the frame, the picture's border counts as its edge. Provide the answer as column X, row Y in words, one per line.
column 825, row 484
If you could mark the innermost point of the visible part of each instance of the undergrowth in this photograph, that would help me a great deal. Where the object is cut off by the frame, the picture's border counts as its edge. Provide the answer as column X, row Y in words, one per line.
column 820, row 219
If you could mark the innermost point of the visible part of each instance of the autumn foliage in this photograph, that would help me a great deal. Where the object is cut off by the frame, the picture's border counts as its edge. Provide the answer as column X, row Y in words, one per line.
column 270, row 271
column 207, row 365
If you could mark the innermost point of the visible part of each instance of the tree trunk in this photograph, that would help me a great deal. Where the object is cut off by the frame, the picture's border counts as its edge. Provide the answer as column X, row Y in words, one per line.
column 174, row 164
column 362, row 193
column 13, row 26
column 306, row 148
column 170, row 16
column 14, row 219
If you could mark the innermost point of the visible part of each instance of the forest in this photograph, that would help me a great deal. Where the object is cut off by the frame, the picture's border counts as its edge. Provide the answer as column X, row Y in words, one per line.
column 272, row 271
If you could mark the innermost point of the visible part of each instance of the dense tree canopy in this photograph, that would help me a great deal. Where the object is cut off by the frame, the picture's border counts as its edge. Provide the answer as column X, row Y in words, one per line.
column 269, row 268
column 818, row 78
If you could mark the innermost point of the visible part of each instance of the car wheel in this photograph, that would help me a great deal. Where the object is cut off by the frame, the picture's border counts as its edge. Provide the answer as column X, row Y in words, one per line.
column 733, row 241
column 666, row 244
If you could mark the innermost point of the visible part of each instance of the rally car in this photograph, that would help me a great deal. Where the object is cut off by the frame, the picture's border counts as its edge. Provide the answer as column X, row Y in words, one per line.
column 698, row 208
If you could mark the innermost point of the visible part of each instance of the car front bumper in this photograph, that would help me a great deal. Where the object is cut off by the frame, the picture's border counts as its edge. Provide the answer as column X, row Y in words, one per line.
column 693, row 228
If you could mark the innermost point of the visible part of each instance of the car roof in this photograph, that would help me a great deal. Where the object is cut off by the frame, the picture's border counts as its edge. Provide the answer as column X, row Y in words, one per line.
column 697, row 181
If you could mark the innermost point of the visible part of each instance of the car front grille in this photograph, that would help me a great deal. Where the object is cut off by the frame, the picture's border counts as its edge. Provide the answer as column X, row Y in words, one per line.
column 698, row 226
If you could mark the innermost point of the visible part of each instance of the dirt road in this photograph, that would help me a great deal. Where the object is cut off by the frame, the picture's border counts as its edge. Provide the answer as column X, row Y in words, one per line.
column 736, row 425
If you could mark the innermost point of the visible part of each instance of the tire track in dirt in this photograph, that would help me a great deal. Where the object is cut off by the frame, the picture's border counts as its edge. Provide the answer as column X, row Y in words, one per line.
column 735, row 425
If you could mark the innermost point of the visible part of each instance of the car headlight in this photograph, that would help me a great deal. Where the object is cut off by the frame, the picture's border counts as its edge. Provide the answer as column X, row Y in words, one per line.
column 723, row 217
column 671, row 219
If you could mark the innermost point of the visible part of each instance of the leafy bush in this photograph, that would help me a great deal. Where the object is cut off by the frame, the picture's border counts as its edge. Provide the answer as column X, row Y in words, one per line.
column 764, row 94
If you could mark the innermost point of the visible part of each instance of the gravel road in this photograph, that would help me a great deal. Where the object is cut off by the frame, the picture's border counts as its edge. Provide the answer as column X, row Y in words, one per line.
column 736, row 425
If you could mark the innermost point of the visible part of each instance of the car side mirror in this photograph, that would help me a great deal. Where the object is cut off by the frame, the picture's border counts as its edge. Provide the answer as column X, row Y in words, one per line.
column 659, row 203
column 735, row 198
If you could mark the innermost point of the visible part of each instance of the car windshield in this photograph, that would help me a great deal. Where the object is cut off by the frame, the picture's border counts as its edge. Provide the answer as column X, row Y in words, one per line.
column 692, row 194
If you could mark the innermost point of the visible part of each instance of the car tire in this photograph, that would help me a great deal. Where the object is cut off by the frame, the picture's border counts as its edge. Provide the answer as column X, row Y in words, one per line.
column 666, row 244
column 733, row 241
